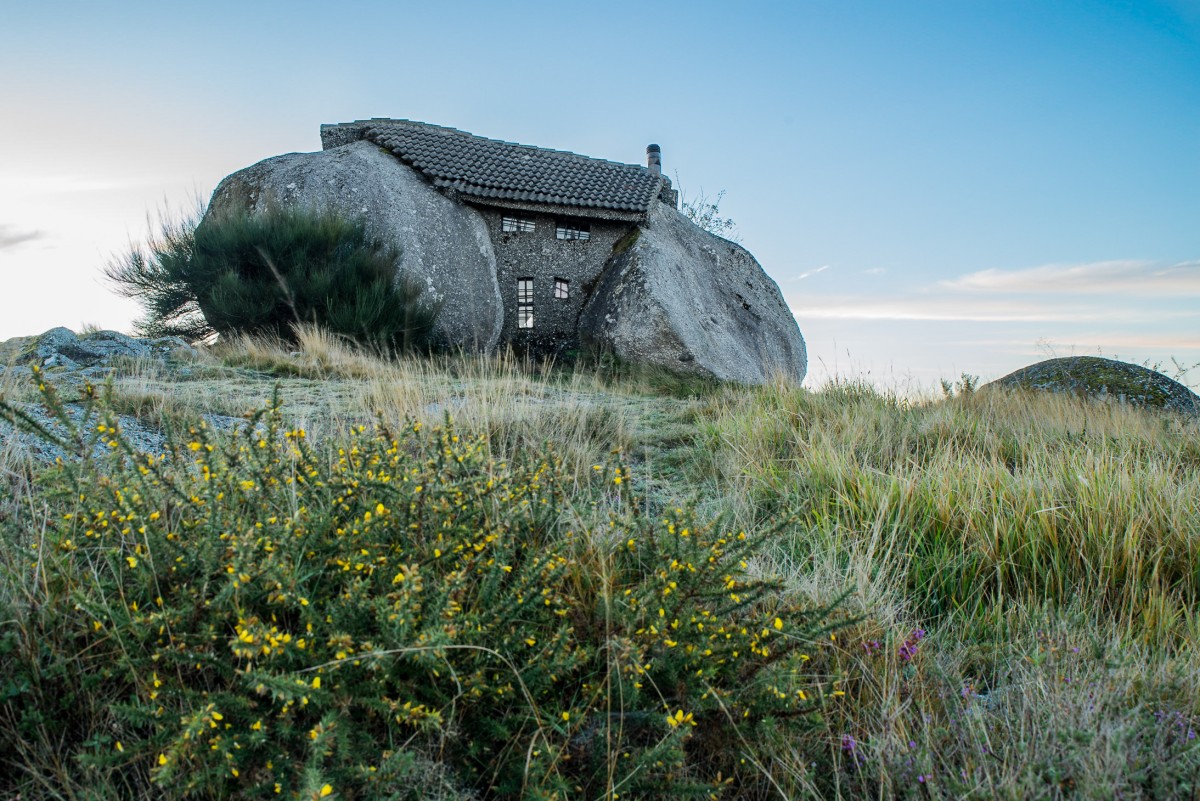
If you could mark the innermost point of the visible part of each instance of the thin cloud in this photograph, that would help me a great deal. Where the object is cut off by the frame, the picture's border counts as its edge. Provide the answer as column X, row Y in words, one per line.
column 11, row 236
column 875, row 271
column 1161, row 342
column 1143, row 278
column 970, row 309
column 820, row 269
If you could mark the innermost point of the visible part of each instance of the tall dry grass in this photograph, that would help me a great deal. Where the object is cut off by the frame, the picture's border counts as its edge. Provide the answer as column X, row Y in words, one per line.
column 1047, row 549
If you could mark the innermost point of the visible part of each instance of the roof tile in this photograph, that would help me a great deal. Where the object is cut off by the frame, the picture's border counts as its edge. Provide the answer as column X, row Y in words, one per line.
column 490, row 168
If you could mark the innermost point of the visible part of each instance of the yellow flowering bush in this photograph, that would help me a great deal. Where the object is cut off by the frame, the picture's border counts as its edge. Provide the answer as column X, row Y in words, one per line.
column 253, row 615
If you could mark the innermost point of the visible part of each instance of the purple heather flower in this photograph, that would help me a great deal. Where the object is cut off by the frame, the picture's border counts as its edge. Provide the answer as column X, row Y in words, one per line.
column 908, row 649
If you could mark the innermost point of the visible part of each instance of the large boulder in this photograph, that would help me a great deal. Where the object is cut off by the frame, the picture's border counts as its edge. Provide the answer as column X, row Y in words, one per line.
column 679, row 297
column 443, row 244
column 1104, row 379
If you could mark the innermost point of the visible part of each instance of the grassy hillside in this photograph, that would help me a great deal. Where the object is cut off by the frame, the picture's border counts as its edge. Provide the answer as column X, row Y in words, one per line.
column 523, row 582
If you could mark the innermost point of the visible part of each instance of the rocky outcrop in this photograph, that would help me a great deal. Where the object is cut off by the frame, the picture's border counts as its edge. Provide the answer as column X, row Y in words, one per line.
column 443, row 244
column 1104, row 379
column 676, row 296
column 71, row 360
column 93, row 352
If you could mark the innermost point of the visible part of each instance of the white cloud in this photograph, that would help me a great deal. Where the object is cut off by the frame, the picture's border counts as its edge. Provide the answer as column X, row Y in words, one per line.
column 977, row 309
column 1109, row 340
column 11, row 236
column 820, row 269
column 1143, row 278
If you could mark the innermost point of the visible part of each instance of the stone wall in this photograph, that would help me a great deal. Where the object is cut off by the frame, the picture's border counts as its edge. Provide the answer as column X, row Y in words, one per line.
column 541, row 255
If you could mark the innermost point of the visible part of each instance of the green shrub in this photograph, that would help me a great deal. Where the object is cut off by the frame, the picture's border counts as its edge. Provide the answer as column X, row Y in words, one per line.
column 398, row 616
column 269, row 272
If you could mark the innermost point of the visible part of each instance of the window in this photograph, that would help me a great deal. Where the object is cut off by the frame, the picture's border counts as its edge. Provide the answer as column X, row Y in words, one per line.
column 524, row 303
column 573, row 230
column 562, row 288
column 511, row 225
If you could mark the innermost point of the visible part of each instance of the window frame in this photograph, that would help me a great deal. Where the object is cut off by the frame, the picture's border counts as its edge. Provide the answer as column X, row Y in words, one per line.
column 562, row 288
column 517, row 225
column 525, row 303
column 572, row 230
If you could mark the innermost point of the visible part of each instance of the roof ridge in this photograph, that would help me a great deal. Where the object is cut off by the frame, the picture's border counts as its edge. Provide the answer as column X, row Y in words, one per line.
column 397, row 121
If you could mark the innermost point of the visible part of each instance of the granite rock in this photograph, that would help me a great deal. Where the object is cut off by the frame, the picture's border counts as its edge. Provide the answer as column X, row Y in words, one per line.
column 443, row 244
column 676, row 296
column 1104, row 379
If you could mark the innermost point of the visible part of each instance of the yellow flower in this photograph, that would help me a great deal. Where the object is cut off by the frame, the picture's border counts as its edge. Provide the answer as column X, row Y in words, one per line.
column 162, row 759
column 326, row 790
column 679, row 718
column 778, row 624
column 119, row 746
column 132, row 560
column 316, row 682
column 566, row 716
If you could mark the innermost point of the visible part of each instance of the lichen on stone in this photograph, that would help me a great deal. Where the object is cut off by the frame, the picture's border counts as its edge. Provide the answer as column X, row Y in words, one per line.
column 1105, row 379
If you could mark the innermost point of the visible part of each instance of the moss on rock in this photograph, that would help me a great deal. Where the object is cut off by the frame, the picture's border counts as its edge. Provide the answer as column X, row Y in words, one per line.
column 1094, row 377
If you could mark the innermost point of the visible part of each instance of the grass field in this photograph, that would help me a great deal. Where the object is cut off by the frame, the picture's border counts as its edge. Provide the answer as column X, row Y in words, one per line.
column 1014, row 579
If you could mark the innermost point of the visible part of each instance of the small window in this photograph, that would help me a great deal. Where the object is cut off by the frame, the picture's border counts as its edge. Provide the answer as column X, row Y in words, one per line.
column 562, row 288
column 512, row 225
column 524, row 290
column 573, row 230
column 524, row 303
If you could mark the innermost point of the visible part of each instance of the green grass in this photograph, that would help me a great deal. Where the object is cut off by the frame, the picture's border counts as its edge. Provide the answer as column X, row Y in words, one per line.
column 1044, row 547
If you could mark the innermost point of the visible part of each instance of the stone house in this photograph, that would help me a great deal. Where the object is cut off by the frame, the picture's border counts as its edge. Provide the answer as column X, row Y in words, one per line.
column 554, row 217
column 543, row 251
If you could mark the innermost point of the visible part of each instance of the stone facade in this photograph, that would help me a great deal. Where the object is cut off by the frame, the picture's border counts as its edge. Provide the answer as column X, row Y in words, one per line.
column 541, row 256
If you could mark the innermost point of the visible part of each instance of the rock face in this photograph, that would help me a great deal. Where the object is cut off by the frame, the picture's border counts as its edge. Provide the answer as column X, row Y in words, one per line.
column 681, row 298
column 443, row 244
column 1104, row 379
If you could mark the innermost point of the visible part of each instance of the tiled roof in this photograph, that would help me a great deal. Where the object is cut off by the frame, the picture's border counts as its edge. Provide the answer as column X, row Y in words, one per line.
column 492, row 170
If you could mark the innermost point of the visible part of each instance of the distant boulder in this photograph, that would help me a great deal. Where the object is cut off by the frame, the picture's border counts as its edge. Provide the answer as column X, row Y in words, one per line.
column 62, row 347
column 443, row 244
column 676, row 296
column 1098, row 378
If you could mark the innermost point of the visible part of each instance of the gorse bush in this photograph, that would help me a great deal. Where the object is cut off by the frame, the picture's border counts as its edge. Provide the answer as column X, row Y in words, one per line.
column 397, row 615
column 265, row 273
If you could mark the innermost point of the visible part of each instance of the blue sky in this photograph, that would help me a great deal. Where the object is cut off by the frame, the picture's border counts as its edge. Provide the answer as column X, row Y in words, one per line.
column 937, row 187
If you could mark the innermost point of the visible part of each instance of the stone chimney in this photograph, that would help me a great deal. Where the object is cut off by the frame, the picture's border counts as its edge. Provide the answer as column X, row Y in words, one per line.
column 654, row 159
